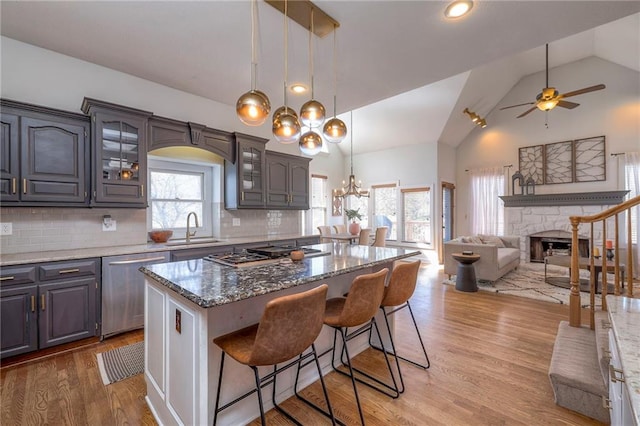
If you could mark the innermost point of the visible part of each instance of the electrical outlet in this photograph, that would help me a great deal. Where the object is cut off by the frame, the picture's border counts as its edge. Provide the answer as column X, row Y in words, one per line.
column 6, row 228
column 110, row 226
column 236, row 221
column 178, row 321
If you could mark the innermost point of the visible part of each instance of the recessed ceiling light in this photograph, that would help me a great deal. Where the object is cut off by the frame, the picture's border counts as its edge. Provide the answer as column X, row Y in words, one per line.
column 458, row 8
column 298, row 88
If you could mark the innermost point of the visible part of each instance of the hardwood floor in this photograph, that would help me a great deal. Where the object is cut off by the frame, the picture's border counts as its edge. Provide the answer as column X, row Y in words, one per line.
column 489, row 357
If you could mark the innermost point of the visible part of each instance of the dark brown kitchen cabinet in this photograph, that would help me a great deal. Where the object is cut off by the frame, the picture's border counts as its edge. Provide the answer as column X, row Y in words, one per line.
column 48, row 304
column 287, row 181
column 119, row 139
column 45, row 156
column 245, row 180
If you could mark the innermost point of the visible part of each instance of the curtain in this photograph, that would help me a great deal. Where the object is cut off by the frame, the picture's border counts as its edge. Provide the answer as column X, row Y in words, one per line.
column 487, row 210
column 632, row 183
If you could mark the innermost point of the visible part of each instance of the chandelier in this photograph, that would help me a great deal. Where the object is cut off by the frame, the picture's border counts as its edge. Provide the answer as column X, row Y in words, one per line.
column 351, row 187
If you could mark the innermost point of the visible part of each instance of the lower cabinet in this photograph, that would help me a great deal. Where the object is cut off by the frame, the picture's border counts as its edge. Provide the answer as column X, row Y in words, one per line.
column 48, row 304
column 620, row 403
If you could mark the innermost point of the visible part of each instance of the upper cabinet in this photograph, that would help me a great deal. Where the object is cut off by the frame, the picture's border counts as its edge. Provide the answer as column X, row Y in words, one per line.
column 119, row 138
column 244, row 180
column 44, row 156
column 287, row 181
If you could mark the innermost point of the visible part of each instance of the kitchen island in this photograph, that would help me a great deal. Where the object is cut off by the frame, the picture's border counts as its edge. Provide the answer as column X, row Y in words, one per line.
column 189, row 303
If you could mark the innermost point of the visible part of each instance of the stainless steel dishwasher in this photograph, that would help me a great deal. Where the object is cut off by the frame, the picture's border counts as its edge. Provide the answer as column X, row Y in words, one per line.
column 123, row 291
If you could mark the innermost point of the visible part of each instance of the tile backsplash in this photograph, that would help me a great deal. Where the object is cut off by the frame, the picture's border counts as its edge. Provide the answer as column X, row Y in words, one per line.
column 46, row 229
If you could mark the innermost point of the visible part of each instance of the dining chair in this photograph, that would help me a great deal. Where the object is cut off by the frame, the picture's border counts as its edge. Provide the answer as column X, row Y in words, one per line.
column 380, row 238
column 288, row 327
column 325, row 233
column 364, row 237
column 340, row 229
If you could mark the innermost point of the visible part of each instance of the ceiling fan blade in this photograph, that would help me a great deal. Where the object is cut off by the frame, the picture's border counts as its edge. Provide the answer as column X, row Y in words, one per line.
column 513, row 106
column 585, row 90
column 567, row 104
column 527, row 112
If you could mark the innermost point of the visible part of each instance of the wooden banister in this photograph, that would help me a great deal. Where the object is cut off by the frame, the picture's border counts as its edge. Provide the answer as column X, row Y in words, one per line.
column 604, row 264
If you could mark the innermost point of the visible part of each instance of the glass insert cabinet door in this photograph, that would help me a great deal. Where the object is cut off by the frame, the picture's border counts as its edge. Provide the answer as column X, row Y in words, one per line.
column 120, row 151
column 251, row 168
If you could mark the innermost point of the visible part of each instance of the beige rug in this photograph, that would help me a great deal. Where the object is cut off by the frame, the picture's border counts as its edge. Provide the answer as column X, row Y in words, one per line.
column 121, row 363
column 528, row 281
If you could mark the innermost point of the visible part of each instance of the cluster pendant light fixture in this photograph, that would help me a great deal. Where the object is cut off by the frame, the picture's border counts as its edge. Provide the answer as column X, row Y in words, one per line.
column 312, row 112
column 334, row 130
column 285, row 124
column 253, row 107
column 351, row 187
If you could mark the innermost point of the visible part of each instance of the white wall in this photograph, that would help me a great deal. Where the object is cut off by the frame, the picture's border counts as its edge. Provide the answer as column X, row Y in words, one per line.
column 43, row 77
column 612, row 112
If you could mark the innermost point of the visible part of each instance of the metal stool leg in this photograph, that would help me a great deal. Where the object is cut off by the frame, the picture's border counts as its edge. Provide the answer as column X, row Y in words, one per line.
column 215, row 413
column 255, row 372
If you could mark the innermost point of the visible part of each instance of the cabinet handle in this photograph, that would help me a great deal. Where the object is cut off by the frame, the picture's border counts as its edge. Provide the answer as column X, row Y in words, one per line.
column 13, row 185
column 42, row 302
column 24, row 186
column 142, row 190
column 7, row 278
column 33, row 303
column 612, row 374
column 129, row 262
column 242, row 195
column 68, row 271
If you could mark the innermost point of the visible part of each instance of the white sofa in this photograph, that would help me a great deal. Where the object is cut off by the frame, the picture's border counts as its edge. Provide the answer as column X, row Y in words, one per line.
column 498, row 255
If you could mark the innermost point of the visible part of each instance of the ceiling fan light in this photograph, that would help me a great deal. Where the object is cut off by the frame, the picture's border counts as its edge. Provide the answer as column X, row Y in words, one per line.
column 334, row 130
column 312, row 113
column 310, row 143
column 547, row 105
column 286, row 128
column 253, row 108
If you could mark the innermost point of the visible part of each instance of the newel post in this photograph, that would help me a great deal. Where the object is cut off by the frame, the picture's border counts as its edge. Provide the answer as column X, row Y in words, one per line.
column 574, row 297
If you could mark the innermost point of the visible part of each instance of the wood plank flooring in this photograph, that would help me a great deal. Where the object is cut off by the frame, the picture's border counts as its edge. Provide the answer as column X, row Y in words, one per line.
column 489, row 357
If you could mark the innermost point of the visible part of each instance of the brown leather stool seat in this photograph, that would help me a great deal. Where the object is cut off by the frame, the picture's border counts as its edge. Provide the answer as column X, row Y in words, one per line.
column 402, row 284
column 357, row 309
column 289, row 325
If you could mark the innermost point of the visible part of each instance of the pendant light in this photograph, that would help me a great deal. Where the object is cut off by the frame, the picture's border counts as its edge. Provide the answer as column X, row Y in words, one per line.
column 253, row 107
column 285, row 125
column 351, row 187
column 312, row 112
column 334, row 130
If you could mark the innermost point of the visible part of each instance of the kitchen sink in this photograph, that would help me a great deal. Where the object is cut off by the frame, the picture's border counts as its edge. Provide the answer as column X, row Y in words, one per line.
column 192, row 242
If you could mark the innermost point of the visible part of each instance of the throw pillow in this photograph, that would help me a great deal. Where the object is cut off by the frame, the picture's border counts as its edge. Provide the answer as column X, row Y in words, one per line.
column 474, row 240
column 492, row 239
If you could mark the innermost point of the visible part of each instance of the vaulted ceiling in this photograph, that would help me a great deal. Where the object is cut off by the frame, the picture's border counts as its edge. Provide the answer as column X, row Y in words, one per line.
column 402, row 66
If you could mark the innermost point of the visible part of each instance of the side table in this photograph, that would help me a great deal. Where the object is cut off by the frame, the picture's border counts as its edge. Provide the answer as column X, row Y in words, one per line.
column 466, row 274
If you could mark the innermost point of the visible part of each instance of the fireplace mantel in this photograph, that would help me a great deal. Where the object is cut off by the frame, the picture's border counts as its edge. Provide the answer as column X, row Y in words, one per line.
column 604, row 198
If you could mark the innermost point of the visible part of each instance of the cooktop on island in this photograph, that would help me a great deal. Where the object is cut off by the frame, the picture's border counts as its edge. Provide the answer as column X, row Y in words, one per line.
column 261, row 255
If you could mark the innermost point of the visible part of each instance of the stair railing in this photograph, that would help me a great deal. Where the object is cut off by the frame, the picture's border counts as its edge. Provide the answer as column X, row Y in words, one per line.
column 603, row 264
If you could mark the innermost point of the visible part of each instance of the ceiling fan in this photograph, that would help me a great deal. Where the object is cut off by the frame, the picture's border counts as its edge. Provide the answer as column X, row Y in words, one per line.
column 549, row 97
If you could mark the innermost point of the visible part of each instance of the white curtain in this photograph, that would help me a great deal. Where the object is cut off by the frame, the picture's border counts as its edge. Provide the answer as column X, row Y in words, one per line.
column 486, row 209
column 632, row 183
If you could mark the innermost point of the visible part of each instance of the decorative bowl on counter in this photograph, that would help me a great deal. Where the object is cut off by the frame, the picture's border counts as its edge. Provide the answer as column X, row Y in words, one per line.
column 296, row 255
column 160, row 235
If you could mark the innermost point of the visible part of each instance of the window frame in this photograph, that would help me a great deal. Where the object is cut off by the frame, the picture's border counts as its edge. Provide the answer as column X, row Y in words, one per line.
column 403, row 226
column 208, row 172
column 323, row 206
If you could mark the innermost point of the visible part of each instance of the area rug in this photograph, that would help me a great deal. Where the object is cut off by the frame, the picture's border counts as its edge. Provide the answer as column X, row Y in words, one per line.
column 528, row 281
column 121, row 363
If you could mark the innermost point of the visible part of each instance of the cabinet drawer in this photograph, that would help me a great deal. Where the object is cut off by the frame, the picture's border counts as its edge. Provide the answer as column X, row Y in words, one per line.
column 17, row 275
column 56, row 271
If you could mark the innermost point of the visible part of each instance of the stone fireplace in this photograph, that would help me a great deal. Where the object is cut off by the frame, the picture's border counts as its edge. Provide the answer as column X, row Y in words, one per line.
column 547, row 217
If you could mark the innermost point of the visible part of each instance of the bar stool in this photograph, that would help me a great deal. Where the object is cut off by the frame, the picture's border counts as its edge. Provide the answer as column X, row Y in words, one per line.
column 402, row 284
column 357, row 309
column 289, row 325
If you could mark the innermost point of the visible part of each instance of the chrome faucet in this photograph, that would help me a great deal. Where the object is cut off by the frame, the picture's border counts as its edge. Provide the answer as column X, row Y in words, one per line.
column 191, row 234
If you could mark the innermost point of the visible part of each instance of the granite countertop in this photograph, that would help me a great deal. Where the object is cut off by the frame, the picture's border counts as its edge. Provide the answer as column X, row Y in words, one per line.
column 84, row 253
column 624, row 314
column 210, row 284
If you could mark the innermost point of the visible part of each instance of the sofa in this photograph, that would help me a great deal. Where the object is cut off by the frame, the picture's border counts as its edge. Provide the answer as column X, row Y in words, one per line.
column 498, row 255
